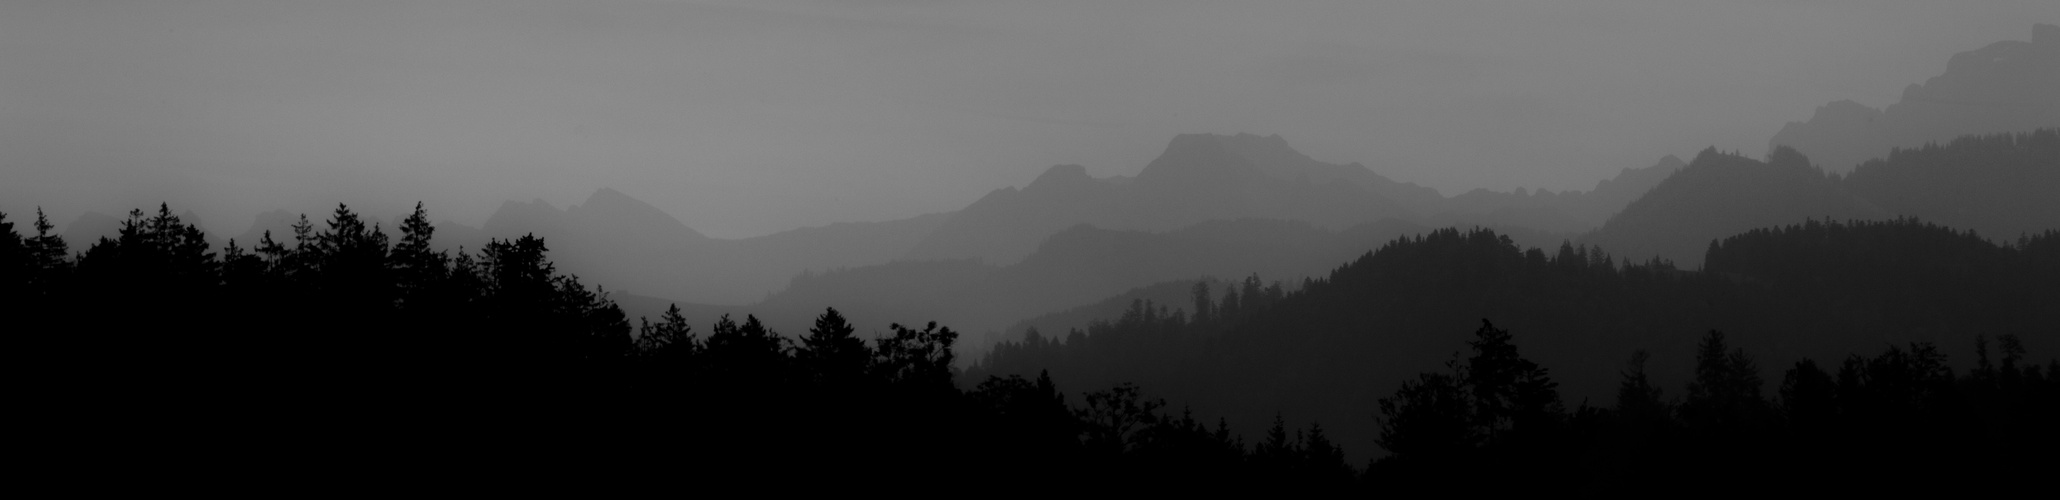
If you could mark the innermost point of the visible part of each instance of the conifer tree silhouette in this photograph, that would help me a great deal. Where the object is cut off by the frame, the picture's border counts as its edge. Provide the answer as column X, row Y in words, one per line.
column 831, row 351
column 1509, row 392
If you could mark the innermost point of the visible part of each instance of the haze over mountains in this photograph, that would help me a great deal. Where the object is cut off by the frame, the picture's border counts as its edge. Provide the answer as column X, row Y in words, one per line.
column 2001, row 186
column 1212, row 205
column 1303, row 251
column 1230, row 206
column 2008, row 86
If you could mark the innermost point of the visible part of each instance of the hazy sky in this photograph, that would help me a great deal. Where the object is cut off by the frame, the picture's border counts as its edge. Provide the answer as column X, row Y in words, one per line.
column 748, row 117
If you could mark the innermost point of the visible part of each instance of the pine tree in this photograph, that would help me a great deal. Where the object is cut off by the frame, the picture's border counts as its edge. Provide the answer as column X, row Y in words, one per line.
column 48, row 253
column 1509, row 391
column 831, row 351
column 418, row 269
column 1726, row 387
column 1430, row 418
column 15, row 265
column 1637, row 398
column 670, row 340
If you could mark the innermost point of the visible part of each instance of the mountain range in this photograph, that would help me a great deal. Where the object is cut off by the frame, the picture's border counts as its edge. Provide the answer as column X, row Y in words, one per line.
column 2007, row 86
column 2002, row 186
column 1230, row 206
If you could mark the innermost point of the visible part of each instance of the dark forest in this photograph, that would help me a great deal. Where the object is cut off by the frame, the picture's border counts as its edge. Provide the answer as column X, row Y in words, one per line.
column 339, row 342
column 1000, row 249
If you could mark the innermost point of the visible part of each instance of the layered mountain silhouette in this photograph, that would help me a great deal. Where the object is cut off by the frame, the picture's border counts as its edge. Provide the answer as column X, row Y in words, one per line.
column 1082, row 271
column 1204, row 177
column 2002, row 186
column 1198, row 178
column 1176, row 295
column 1228, row 206
column 628, row 245
column 2008, row 86
column 1814, row 290
column 625, row 243
column 1721, row 194
column 1560, row 212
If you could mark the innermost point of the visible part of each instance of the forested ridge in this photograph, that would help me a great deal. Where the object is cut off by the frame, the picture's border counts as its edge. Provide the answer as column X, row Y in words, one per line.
column 339, row 352
column 1330, row 349
column 1998, row 185
column 338, row 344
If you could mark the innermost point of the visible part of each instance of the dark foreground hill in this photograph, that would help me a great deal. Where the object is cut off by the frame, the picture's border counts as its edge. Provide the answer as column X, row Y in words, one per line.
column 1328, row 351
column 347, row 356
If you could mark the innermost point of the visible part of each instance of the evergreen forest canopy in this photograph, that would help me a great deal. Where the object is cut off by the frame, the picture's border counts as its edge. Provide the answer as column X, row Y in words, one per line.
column 348, row 342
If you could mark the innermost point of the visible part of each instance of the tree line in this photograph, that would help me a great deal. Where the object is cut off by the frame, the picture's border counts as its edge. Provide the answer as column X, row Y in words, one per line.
column 339, row 343
column 334, row 343
column 1898, row 422
column 1329, row 350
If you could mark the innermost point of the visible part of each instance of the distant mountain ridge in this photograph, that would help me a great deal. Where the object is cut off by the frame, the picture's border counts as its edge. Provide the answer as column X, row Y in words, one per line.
column 1564, row 212
column 1721, row 194
column 625, row 243
column 1077, row 267
column 2002, row 186
column 2008, row 86
column 1198, row 178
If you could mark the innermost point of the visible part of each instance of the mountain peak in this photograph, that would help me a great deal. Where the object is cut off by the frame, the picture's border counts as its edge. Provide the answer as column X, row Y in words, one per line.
column 1241, row 142
column 608, row 206
column 1060, row 176
column 608, row 196
column 1243, row 154
column 1184, row 142
column 515, row 218
column 1199, row 156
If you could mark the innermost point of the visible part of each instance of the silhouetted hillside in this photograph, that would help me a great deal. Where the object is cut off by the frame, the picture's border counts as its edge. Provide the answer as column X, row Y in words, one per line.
column 1720, row 194
column 1326, row 351
column 615, row 239
column 2008, row 86
column 1077, row 267
column 2002, row 185
column 1177, row 294
column 495, row 358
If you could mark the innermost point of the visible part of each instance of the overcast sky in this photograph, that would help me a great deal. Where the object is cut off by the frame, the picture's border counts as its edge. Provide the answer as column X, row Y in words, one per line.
column 749, row 117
